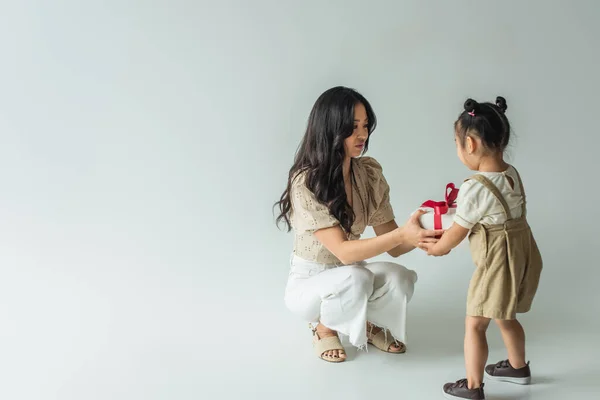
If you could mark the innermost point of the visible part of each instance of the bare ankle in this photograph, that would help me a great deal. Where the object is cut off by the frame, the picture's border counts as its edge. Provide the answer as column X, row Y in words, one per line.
column 474, row 384
column 323, row 329
column 518, row 364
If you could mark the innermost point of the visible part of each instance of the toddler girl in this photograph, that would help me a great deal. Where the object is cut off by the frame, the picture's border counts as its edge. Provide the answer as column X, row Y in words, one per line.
column 491, row 210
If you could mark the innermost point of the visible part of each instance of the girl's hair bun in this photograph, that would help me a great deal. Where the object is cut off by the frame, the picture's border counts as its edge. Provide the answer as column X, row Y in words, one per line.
column 501, row 103
column 471, row 106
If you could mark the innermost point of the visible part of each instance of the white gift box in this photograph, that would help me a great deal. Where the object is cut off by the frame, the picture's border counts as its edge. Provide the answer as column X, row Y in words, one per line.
column 440, row 214
column 427, row 220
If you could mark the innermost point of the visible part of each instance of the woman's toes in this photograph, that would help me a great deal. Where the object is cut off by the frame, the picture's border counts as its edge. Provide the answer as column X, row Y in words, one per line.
column 334, row 354
column 339, row 354
column 396, row 347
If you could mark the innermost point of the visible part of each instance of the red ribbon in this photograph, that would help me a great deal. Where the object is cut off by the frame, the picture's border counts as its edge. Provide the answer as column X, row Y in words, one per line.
column 441, row 207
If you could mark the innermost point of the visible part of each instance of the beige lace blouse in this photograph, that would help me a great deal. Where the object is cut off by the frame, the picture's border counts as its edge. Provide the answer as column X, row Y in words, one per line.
column 371, row 205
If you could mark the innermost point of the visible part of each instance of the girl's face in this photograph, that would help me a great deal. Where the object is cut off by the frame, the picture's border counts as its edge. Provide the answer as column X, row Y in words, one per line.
column 355, row 143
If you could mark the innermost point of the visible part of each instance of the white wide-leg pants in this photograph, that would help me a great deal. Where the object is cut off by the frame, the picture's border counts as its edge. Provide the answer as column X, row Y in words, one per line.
column 344, row 298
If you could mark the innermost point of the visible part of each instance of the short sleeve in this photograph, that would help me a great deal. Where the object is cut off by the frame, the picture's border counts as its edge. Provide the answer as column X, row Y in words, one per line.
column 469, row 205
column 380, row 209
column 309, row 214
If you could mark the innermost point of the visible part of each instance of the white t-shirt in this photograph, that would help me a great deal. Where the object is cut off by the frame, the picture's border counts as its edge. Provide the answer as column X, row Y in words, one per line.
column 476, row 204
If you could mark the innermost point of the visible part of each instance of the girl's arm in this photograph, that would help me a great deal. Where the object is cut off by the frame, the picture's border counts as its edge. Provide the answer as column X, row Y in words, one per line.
column 351, row 251
column 397, row 251
column 449, row 240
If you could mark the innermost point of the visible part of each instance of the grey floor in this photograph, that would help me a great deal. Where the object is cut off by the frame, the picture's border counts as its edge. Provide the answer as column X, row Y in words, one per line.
column 276, row 358
column 121, row 334
column 564, row 364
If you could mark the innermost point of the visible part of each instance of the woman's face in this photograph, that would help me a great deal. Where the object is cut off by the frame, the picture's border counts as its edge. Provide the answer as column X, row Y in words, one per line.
column 355, row 143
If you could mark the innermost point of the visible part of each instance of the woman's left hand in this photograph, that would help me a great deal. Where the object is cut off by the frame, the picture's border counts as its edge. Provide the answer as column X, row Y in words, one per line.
column 449, row 240
column 415, row 234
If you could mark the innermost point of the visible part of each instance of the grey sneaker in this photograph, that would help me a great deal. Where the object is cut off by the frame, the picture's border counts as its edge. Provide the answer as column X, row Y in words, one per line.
column 460, row 390
column 504, row 372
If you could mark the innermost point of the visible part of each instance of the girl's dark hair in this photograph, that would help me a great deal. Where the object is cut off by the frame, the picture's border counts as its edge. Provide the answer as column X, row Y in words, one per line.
column 487, row 121
column 321, row 153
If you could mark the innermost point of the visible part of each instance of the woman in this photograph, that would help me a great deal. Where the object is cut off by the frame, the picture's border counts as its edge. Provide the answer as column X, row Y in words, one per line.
column 332, row 195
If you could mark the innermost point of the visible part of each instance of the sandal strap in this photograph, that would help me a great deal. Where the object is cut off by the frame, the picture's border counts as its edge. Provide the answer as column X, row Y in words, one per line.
column 382, row 340
column 326, row 344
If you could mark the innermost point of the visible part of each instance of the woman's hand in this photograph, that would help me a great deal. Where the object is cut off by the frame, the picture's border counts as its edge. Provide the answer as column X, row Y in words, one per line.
column 414, row 234
column 451, row 239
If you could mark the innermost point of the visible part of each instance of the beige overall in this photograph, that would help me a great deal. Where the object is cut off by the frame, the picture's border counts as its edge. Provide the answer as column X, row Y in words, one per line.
column 508, row 264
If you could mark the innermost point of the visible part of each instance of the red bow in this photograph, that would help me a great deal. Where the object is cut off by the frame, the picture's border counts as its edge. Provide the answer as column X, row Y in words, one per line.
column 442, row 207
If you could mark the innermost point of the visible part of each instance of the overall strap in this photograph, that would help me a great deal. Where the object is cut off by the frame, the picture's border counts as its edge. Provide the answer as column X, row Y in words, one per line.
column 523, row 206
column 492, row 188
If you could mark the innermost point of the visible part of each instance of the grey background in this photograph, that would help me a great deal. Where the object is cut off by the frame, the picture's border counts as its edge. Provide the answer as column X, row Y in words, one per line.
column 143, row 144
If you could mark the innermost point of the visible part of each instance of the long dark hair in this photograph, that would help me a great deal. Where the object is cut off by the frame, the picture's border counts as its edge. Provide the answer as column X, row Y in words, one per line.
column 321, row 153
column 486, row 120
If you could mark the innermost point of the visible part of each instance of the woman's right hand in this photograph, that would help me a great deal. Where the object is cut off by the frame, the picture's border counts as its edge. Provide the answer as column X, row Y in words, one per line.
column 415, row 234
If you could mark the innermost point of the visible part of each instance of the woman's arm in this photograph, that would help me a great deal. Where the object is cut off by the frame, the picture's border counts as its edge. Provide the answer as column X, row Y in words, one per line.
column 351, row 251
column 449, row 240
column 397, row 251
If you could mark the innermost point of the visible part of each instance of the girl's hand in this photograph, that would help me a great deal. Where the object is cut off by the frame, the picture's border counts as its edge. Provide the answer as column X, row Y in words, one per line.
column 428, row 248
column 415, row 234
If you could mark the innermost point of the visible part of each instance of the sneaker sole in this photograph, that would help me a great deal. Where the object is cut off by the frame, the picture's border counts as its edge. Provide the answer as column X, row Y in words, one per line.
column 451, row 397
column 518, row 381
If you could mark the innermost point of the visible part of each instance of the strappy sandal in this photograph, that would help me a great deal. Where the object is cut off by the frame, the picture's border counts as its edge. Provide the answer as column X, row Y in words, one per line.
column 326, row 344
column 384, row 339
